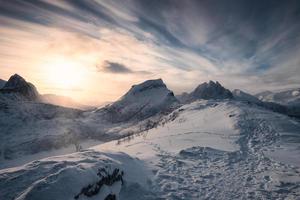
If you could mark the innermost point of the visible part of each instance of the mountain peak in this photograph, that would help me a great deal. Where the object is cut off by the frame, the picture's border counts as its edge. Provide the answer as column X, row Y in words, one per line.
column 206, row 90
column 211, row 90
column 143, row 100
column 15, row 81
column 146, row 85
column 17, row 85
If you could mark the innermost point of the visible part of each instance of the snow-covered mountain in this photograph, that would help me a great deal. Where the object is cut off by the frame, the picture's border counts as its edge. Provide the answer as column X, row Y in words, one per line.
column 142, row 101
column 18, row 88
column 210, row 90
column 285, row 97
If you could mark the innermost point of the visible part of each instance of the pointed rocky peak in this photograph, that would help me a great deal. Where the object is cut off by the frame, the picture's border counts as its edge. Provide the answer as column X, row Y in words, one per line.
column 15, row 81
column 18, row 87
column 211, row 90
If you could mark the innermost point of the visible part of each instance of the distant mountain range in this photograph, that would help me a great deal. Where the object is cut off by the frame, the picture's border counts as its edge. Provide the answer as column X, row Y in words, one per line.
column 285, row 97
column 63, row 101
column 18, row 88
column 49, row 123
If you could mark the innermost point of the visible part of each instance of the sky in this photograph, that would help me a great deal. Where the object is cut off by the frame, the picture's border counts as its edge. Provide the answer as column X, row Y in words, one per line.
column 95, row 50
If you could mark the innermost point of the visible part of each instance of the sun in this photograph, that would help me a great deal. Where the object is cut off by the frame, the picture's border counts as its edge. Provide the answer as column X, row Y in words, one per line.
column 63, row 73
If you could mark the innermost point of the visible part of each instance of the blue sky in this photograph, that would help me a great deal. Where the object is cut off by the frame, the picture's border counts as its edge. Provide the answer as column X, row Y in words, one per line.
column 252, row 45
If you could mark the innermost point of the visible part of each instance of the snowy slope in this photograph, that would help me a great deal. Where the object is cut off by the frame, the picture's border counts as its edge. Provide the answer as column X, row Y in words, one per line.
column 243, row 96
column 215, row 149
column 31, row 127
column 140, row 102
column 220, row 150
column 64, row 177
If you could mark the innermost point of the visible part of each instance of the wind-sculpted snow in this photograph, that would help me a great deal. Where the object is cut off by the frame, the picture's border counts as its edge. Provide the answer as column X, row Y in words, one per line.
column 220, row 150
column 67, row 177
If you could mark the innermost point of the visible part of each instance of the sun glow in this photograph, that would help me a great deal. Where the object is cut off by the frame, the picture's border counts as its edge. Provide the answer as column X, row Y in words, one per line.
column 64, row 74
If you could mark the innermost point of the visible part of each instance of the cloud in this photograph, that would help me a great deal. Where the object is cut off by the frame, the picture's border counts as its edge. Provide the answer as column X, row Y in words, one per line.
column 242, row 43
column 113, row 67
column 117, row 68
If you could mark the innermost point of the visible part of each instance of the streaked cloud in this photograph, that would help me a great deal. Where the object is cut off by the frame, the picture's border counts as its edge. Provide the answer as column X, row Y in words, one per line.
column 242, row 44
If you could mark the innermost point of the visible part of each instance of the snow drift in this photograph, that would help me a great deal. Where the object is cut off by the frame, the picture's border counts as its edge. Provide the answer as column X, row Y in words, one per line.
column 75, row 176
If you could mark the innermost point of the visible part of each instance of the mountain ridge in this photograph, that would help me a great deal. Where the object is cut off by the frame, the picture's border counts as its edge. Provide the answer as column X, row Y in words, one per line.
column 206, row 90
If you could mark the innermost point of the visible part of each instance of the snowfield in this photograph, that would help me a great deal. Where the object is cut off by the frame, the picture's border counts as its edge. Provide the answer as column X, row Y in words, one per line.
column 219, row 150
column 212, row 149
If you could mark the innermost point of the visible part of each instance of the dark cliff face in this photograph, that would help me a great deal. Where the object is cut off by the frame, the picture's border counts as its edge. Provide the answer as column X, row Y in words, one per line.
column 17, row 85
